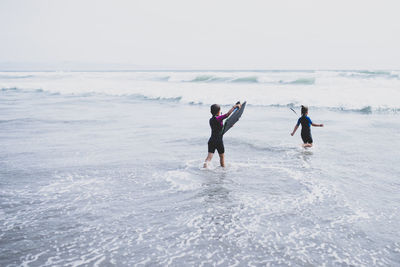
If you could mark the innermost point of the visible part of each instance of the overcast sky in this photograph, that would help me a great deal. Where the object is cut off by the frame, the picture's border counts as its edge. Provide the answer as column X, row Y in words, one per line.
column 298, row 34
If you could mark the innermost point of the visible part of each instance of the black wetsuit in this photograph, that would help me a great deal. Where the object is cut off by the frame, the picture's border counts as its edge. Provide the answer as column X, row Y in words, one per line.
column 215, row 141
column 305, row 122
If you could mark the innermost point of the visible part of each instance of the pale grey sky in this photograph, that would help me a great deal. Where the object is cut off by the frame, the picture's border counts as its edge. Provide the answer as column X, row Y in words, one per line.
column 281, row 34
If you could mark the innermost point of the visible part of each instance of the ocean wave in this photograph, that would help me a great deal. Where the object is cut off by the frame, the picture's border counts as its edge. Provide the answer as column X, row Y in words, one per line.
column 190, row 97
column 279, row 78
column 202, row 78
column 155, row 98
column 269, row 77
column 250, row 79
column 10, row 89
column 32, row 90
column 210, row 78
column 367, row 109
column 296, row 106
column 320, row 89
column 365, row 74
column 46, row 121
column 14, row 76
column 303, row 81
column 206, row 78
column 368, row 72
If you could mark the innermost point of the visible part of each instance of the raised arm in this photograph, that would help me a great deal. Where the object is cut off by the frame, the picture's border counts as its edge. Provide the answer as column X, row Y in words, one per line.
column 233, row 108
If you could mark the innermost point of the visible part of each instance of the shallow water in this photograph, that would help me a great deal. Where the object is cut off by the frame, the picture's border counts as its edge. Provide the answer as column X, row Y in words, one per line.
column 102, row 178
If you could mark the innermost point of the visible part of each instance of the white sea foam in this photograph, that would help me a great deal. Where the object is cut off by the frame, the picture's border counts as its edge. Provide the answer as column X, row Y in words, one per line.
column 182, row 180
column 348, row 90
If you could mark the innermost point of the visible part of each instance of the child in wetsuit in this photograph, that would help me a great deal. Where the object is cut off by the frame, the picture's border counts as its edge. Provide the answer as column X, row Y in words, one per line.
column 305, row 122
column 215, row 141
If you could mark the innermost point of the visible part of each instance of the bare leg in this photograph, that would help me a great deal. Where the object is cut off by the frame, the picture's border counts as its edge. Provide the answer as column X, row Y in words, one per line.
column 307, row 145
column 222, row 159
column 208, row 159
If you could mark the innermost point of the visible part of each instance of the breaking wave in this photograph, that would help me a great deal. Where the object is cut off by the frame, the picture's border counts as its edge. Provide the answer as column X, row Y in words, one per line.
column 365, row 74
column 375, row 91
column 249, row 80
column 306, row 81
column 191, row 99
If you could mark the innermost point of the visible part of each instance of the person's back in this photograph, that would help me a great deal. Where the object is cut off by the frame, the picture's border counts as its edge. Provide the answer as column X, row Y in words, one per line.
column 216, row 127
column 306, row 123
column 215, row 142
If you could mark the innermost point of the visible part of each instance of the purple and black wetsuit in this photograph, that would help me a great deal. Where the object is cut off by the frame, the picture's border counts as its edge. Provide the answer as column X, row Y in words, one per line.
column 215, row 141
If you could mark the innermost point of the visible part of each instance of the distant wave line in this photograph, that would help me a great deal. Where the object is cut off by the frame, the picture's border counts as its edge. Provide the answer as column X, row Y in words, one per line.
column 190, row 100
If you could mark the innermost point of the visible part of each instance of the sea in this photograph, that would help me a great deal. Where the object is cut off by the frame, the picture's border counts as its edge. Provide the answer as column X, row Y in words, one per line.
column 105, row 169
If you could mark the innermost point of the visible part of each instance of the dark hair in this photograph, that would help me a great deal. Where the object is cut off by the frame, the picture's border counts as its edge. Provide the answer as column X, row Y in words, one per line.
column 304, row 110
column 215, row 109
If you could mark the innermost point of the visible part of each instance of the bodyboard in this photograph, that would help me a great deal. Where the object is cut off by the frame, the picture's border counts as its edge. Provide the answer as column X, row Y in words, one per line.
column 233, row 118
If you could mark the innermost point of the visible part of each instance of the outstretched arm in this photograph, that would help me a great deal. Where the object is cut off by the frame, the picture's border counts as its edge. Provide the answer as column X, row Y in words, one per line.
column 317, row 125
column 295, row 129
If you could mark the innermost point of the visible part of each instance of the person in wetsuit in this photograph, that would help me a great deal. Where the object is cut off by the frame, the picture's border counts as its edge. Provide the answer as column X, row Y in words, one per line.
column 215, row 142
column 306, row 123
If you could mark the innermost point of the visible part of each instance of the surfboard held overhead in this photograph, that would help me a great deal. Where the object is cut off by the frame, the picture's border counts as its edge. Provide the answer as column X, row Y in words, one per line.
column 233, row 118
